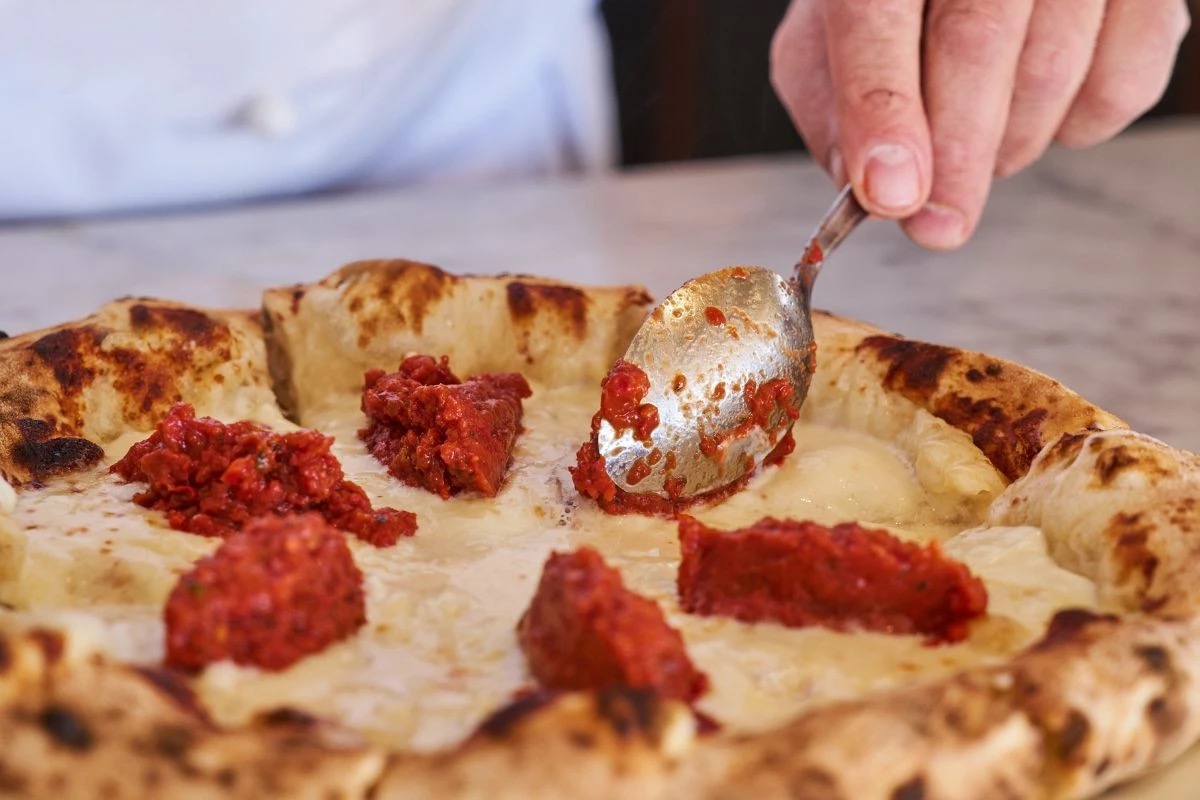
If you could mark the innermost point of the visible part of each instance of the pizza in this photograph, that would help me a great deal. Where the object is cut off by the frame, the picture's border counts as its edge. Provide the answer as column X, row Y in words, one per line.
column 354, row 543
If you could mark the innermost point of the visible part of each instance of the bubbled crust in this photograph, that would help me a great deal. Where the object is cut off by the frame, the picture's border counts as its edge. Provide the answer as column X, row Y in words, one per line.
column 74, row 726
column 1122, row 509
column 69, row 390
column 371, row 314
column 1011, row 412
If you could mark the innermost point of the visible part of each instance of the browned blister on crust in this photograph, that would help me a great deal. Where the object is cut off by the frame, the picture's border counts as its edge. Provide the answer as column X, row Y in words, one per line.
column 68, row 391
column 1122, row 509
column 1011, row 412
column 77, row 726
column 371, row 314
column 614, row 743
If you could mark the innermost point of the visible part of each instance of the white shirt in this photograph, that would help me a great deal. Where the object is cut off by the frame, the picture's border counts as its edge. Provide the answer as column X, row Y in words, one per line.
column 135, row 104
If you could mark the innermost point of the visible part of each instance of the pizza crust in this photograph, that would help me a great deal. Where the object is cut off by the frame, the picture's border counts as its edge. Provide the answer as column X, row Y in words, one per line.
column 81, row 385
column 325, row 335
column 1097, row 700
column 74, row 726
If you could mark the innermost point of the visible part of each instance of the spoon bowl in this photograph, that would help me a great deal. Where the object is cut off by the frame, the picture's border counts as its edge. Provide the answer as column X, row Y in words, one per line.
column 729, row 357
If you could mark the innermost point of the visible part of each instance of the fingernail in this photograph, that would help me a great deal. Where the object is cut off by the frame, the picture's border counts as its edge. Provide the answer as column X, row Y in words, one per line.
column 837, row 167
column 891, row 177
column 938, row 226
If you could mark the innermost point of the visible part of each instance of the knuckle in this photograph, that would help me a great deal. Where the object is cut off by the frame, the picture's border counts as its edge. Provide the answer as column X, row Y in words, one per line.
column 973, row 33
column 1117, row 101
column 880, row 101
column 1048, row 72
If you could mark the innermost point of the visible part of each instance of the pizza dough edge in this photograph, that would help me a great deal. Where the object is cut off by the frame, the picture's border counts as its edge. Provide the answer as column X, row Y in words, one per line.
column 1022, row 725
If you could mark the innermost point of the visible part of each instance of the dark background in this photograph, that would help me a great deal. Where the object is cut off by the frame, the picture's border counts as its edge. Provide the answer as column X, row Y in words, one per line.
column 691, row 78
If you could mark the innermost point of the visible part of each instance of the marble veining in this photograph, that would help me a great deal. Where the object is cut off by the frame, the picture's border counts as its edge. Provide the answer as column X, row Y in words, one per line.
column 1087, row 266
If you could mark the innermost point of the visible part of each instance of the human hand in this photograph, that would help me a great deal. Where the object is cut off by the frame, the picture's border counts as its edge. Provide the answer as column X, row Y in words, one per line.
column 919, row 104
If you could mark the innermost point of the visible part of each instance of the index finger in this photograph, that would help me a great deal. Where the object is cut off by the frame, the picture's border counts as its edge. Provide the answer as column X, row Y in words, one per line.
column 883, row 135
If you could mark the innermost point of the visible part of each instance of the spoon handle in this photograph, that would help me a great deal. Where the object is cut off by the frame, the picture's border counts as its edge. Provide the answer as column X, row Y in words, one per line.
column 843, row 216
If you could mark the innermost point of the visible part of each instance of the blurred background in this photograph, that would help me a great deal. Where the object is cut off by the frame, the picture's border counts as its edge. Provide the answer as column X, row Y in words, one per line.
column 691, row 78
column 134, row 106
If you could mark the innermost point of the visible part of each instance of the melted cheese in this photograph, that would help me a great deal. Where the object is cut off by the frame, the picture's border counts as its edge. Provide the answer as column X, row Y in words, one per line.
column 439, row 650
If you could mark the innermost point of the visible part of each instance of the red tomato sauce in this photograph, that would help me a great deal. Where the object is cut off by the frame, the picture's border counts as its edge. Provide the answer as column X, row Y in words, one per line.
column 591, row 480
column 847, row 577
column 585, row 630
column 210, row 478
column 278, row 590
column 621, row 394
column 439, row 433
column 621, row 404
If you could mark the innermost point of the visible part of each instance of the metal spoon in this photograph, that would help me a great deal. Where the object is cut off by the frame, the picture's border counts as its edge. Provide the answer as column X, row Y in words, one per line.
column 701, row 348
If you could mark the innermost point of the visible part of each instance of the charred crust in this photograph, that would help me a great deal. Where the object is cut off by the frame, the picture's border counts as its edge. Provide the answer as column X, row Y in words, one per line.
column 1072, row 736
column 64, row 353
column 423, row 285
column 527, row 299
column 584, row 740
column 1156, row 658
column 45, row 456
column 1165, row 717
column 502, row 721
column 171, row 741
column 51, row 643
column 298, row 295
column 912, row 366
column 912, row 789
column 1010, row 438
column 12, row 783
column 1070, row 624
column 627, row 710
column 292, row 718
column 1130, row 536
column 1066, row 448
column 190, row 324
column 174, row 688
column 3, row 335
column 408, row 289
column 815, row 783
column 66, row 727
column 1010, row 444
column 5, row 656
column 1112, row 462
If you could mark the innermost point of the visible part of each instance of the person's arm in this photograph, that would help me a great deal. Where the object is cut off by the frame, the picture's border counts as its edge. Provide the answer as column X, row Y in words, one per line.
column 920, row 103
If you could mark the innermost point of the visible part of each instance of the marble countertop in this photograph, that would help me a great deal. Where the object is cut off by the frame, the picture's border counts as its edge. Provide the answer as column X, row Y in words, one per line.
column 1086, row 267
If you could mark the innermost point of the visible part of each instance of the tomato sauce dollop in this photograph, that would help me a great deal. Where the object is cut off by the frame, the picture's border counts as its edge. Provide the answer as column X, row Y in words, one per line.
column 439, row 433
column 278, row 590
column 621, row 395
column 585, row 630
column 847, row 577
column 210, row 478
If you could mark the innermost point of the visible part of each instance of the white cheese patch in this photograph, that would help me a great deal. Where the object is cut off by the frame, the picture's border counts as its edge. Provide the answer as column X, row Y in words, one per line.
column 439, row 651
